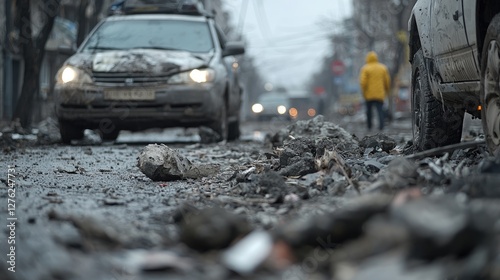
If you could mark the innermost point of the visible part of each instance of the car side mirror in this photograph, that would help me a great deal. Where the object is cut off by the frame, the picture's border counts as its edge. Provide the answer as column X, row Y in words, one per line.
column 233, row 48
column 66, row 50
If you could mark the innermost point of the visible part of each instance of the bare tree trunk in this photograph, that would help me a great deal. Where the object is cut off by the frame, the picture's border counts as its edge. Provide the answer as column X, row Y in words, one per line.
column 82, row 22
column 33, row 51
column 400, row 45
column 94, row 19
column 400, row 57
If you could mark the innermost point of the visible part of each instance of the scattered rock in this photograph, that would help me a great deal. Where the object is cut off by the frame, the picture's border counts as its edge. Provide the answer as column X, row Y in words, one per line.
column 91, row 228
column 161, row 163
column 401, row 173
column 297, row 157
column 210, row 229
column 378, row 142
column 333, row 229
column 136, row 261
column 69, row 236
column 208, row 135
column 88, row 151
column 485, row 185
column 270, row 185
column 71, row 170
column 446, row 227
column 114, row 201
column 490, row 165
column 48, row 132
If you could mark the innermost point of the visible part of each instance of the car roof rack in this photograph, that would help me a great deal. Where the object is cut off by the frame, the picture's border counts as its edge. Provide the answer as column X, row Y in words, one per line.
column 185, row 7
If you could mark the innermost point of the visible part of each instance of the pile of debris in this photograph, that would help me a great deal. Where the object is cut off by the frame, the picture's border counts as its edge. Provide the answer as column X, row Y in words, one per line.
column 383, row 213
column 13, row 136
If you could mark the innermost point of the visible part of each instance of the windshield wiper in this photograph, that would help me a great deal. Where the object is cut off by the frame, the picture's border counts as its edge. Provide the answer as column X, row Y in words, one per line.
column 157, row 48
column 103, row 48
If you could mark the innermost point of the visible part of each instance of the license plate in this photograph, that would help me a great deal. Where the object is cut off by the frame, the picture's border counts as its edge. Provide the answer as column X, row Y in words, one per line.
column 137, row 94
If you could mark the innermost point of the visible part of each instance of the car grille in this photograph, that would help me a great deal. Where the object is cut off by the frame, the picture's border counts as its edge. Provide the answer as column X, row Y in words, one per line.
column 129, row 78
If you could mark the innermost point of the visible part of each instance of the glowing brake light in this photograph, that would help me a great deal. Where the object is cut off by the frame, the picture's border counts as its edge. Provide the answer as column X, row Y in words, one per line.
column 311, row 112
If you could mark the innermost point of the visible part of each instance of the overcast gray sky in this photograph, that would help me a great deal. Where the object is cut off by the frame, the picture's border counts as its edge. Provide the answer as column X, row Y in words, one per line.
column 288, row 38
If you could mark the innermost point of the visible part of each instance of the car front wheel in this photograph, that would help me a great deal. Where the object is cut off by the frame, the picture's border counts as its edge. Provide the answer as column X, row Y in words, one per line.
column 490, row 87
column 109, row 134
column 434, row 124
column 233, row 131
column 221, row 125
column 69, row 132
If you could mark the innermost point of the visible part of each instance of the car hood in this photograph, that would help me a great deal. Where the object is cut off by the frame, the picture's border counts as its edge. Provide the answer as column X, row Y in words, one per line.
column 139, row 61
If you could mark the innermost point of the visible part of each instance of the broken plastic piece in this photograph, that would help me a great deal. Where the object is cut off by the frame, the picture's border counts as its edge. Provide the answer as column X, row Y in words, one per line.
column 246, row 255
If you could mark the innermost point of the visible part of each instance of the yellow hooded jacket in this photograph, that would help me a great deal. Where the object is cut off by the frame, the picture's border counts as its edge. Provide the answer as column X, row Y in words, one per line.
column 374, row 79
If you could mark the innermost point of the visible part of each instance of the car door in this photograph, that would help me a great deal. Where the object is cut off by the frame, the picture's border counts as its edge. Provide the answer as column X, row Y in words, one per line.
column 470, row 26
column 453, row 56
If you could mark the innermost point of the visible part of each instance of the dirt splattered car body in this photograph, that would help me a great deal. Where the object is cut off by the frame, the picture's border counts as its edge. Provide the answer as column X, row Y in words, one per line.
column 142, row 71
column 454, row 50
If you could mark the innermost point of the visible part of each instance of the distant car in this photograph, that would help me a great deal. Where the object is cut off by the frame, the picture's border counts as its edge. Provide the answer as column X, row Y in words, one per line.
column 272, row 105
column 455, row 56
column 303, row 107
column 169, row 67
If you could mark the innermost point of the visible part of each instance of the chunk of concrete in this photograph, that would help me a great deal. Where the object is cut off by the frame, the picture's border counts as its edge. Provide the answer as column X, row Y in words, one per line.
column 162, row 163
column 378, row 141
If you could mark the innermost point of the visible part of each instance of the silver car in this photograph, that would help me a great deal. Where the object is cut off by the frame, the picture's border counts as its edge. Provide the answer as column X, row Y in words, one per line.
column 455, row 56
column 140, row 71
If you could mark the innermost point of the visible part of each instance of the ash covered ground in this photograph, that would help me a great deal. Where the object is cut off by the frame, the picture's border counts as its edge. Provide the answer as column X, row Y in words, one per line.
column 317, row 199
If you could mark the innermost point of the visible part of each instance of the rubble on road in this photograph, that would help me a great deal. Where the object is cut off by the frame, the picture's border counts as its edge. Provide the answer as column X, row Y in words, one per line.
column 317, row 204
column 300, row 145
column 405, row 211
column 318, row 130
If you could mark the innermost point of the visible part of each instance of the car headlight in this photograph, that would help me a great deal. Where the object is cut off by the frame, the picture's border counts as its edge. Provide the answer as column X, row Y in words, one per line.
column 70, row 74
column 257, row 108
column 197, row 76
column 281, row 109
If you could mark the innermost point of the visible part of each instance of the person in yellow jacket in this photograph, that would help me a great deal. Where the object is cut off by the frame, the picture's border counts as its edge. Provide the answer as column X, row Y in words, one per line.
column 375, row 81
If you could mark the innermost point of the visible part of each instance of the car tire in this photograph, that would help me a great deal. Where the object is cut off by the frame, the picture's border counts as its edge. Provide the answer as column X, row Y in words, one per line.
column 69, row 132
column 221, row 125
column 110, row 135
column 434, row 124
column 490, row 88
column 233, row 132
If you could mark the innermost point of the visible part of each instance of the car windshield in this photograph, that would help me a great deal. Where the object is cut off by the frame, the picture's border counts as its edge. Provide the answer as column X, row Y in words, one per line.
column 189, row 36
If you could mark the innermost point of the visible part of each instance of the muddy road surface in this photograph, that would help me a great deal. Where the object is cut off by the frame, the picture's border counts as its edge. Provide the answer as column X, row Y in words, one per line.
column 317, row 199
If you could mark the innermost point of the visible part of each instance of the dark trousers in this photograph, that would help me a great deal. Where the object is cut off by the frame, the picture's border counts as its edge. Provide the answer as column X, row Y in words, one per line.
column 379, row 105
